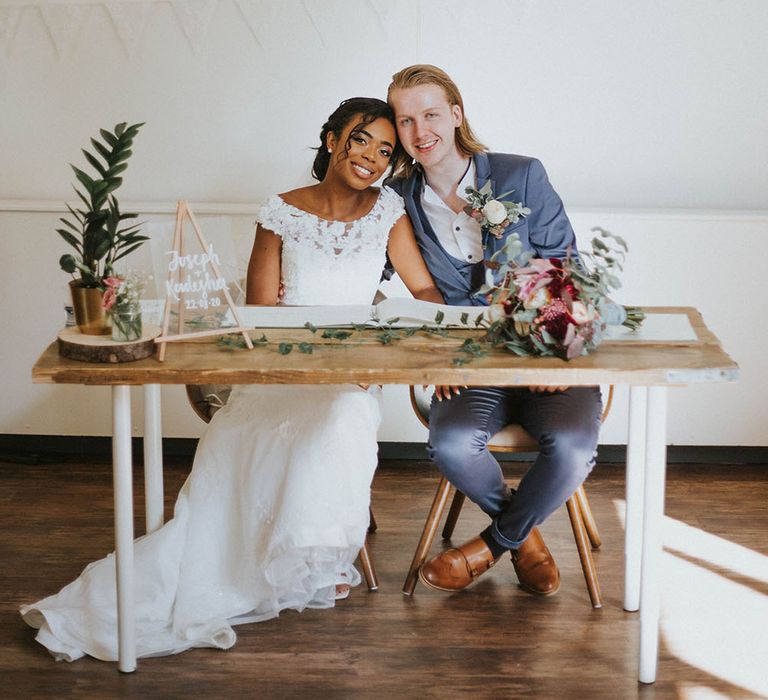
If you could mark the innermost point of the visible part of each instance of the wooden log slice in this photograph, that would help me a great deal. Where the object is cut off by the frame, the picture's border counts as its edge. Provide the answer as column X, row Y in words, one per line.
column 98, row 348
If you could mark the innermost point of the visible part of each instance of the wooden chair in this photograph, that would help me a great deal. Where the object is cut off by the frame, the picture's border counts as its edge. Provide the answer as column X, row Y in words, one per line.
column 206, row 399
column 512, row 438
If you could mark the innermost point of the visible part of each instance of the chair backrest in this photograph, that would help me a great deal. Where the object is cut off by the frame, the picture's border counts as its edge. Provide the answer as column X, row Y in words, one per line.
column 511, row 438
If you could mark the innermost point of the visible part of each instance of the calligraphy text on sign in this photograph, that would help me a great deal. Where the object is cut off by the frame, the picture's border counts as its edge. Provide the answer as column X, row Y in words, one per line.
column 195, row 279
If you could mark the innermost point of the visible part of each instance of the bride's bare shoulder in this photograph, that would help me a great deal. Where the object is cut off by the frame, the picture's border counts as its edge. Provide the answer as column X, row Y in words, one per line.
column 305, row 198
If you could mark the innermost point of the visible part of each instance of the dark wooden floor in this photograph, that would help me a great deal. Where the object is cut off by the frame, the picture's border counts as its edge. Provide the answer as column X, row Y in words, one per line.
column 493, row 641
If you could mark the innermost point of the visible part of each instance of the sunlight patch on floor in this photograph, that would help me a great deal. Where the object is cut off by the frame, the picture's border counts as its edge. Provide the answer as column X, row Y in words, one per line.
column 698, row 692
column 708, row 620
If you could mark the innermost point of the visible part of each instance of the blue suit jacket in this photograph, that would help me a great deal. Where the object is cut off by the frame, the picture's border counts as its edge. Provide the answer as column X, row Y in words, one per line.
column 546, row 230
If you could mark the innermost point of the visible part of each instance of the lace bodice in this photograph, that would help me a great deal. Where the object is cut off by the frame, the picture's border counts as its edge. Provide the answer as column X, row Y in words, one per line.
column 331, row 262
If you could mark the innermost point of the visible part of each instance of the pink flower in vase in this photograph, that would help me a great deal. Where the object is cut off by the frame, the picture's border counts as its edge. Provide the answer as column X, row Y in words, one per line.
column 109, row 298
column 110, row 293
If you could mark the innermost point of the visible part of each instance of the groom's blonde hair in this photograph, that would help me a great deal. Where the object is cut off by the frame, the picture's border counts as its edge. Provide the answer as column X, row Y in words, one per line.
column 426, row 74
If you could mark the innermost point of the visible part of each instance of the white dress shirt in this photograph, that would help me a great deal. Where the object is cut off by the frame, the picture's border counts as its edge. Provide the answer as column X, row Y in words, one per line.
column 459, row 234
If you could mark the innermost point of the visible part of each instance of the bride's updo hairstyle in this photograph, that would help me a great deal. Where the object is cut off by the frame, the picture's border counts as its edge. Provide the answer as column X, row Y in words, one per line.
column 368, row 109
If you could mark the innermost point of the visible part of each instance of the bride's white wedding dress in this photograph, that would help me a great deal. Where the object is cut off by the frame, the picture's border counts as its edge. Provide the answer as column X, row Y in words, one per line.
column 275, row 509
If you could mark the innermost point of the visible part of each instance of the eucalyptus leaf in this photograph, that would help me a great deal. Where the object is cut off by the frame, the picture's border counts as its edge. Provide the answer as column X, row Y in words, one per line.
column 335, row 334
column 517, row 349
column 620, row 241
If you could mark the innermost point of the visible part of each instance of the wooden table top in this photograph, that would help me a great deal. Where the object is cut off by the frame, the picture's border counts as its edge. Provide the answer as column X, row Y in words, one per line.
column 421, row 359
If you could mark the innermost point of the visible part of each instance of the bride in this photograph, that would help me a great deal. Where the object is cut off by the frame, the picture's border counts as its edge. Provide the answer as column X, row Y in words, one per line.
column 275, row 509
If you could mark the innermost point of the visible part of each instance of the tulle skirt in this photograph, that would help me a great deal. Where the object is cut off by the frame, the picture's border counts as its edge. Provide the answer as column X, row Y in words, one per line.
column 271, row 517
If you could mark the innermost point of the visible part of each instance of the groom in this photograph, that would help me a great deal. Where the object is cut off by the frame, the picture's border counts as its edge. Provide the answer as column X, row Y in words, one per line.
column 444, row 158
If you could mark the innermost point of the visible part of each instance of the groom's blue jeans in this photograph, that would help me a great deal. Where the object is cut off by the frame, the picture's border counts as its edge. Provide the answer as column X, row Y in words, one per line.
column 566, row 426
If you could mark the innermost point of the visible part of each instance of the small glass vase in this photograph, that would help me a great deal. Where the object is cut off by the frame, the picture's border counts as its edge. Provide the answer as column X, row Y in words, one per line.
column 126, row 323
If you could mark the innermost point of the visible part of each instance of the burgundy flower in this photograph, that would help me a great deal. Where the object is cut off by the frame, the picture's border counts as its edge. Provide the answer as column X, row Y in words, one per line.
column 555, row 318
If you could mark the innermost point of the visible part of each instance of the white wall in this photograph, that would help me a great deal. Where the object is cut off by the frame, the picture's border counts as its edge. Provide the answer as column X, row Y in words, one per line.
column 650, row 117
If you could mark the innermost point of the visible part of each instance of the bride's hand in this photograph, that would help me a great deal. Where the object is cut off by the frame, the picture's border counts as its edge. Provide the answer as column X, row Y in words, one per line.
column 444, row 391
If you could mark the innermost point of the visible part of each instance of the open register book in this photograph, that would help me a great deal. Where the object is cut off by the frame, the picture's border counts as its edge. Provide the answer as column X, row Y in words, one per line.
column 394, row 311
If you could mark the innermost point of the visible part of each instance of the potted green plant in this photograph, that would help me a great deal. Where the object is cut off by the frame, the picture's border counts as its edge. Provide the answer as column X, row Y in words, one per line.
column 96, row 232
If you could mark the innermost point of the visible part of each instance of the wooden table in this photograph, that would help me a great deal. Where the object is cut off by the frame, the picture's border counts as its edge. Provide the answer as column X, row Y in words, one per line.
column 647, row 367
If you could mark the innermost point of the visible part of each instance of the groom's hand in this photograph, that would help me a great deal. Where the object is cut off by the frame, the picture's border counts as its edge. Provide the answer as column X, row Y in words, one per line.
column 547, row 389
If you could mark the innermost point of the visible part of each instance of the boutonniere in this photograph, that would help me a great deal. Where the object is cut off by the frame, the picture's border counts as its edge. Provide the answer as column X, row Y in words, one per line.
column 493, row 213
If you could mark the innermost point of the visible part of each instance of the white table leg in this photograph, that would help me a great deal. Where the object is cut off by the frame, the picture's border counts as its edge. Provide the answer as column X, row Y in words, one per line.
column 633, row 520
column 653, row 520
column 153, row 458
column 123, row 488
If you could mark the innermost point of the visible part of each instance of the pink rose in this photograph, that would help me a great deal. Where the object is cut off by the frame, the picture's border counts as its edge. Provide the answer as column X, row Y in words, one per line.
column 109, row 298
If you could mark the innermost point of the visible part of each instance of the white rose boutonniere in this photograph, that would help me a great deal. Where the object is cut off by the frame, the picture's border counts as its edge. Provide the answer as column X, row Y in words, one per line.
column 493, row 214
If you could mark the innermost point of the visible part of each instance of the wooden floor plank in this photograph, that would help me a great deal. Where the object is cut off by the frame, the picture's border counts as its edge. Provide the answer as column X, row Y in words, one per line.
column 493, row 641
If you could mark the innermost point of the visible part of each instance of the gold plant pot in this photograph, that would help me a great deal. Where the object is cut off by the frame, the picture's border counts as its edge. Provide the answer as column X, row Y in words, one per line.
column 90, row 316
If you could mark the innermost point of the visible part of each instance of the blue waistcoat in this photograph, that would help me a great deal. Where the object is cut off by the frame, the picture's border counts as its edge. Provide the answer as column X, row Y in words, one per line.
column 546, row 230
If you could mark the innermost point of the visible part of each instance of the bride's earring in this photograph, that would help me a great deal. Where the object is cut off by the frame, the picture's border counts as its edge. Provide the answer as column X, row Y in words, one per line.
column 330, row 151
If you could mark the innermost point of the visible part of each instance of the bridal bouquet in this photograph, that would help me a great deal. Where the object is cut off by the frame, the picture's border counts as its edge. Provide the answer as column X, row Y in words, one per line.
column 557, row 307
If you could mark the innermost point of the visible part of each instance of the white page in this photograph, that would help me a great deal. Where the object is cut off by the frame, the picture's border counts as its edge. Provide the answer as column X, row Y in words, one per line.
column 655, row 328
column 252, row 316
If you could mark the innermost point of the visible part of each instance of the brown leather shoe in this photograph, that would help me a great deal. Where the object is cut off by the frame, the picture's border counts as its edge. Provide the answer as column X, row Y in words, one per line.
column 456, row 568
column 535, row 567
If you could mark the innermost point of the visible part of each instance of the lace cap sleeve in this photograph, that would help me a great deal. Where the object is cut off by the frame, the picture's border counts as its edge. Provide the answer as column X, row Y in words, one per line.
column 392, row 205
column 272, row 215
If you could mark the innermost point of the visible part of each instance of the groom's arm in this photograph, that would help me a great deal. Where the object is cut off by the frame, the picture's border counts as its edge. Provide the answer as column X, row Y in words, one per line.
column 549, row 230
